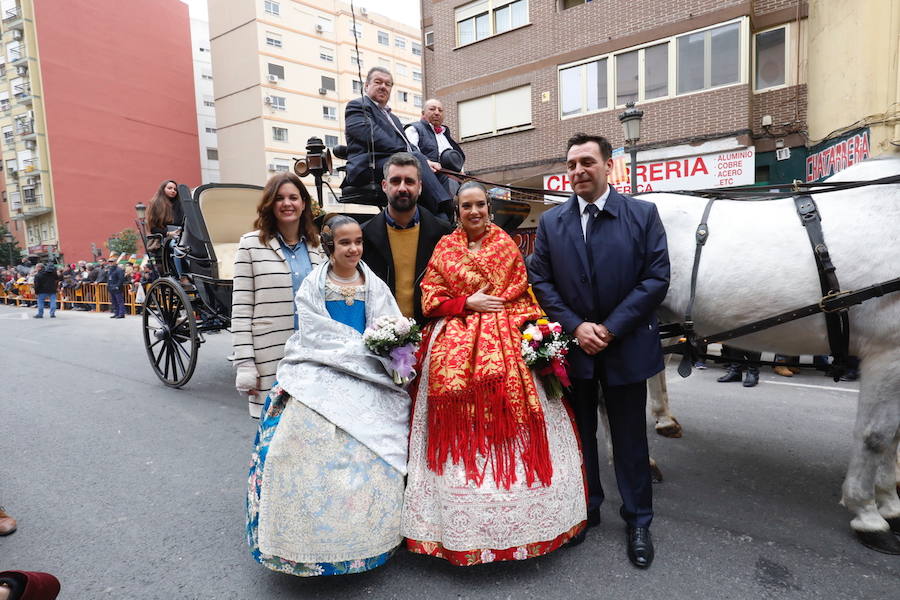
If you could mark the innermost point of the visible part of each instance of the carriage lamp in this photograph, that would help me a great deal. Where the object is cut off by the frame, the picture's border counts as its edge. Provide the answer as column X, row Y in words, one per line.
column 140, row 210
column 631, row 126
column 317, row 162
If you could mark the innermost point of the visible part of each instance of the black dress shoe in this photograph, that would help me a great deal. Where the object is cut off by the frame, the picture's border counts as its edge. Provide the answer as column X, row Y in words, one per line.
column 640, row 547
column 733, row 374
column 752, row 378
column 593, row 517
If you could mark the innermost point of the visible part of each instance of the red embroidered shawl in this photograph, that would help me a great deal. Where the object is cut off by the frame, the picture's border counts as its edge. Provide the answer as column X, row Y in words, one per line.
column 481, row 396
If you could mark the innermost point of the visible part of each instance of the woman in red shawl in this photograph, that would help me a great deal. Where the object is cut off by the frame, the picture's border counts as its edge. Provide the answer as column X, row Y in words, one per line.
column 494, row 466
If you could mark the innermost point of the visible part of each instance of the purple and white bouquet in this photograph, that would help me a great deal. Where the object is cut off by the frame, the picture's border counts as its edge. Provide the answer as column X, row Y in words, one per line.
column 397, row 338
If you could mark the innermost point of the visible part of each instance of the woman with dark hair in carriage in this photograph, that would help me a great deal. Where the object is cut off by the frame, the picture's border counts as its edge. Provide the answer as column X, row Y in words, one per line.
column 494, row 466
column 165, row 218
column 325, row 486
column 269, row 265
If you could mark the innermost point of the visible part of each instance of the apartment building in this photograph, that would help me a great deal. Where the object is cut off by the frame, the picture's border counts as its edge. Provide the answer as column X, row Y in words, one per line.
column 722, row 83
column 96, row 109
column 203, row 91
column 283, row 71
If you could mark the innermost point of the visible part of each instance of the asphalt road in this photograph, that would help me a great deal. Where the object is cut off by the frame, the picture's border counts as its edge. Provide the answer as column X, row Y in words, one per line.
column 126, row 489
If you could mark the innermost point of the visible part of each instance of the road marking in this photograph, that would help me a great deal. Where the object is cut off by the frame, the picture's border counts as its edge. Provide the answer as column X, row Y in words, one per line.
column 817, row 387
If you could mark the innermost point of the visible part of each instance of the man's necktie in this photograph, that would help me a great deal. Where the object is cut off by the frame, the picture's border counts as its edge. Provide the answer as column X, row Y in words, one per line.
column 592, row 224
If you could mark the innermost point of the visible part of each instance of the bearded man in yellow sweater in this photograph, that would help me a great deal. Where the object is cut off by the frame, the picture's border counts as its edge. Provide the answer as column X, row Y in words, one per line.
column 398, row 242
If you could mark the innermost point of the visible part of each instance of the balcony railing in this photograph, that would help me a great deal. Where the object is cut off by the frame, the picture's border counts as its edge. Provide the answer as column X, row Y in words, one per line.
column 12, row 14
column 30, row 165
column 21, row 90
column 31, row 201
column 24, row 127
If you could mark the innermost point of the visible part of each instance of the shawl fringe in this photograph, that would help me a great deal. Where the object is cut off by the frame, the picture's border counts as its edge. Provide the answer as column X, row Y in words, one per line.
column 480, row 421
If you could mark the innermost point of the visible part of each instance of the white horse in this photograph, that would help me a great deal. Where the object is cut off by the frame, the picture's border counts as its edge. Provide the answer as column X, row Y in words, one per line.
column 758, row 262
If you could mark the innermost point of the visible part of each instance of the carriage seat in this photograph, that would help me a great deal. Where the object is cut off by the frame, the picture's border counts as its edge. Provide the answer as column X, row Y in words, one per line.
column 229, row 213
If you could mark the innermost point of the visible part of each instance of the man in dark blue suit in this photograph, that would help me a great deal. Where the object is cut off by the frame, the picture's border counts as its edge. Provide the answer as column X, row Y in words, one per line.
column 601, row 268
column 374, row 134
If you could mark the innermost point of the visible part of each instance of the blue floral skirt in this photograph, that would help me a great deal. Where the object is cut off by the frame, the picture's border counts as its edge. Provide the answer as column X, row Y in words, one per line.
column 318, row 502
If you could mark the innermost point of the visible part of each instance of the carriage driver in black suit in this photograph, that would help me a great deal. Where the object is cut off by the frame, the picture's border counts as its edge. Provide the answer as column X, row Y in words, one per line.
column 434, row 141
column 374, row 132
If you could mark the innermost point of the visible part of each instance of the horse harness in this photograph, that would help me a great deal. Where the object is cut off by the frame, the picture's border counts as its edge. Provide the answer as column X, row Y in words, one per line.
column 834, row 302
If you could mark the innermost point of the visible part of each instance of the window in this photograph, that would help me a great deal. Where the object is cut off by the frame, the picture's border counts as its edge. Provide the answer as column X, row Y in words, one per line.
column 498, row 113
column 698, row 60
column 280, row 165
column 356, row 30
column 634, row 83
column 429, row 39
column 329, row 113
column 328, row 83
column 383, row 38
column 708, row 59
column 399, row 41
column 271, row 7
column 771, row 57
column 8, row 135
column 356, row 59
column 402, row 96
column 401, row 70
column 384, row 62
column 209, row 103
column 484, row 18
column 276, row 70
column 583, row 88
column 417, row 75
column 212, row 153
column 330, row 141
column 273, row 39
column 572, row 3
column 416, row 49
column 357, row 86
column 326, row 54
column 280, row 134
column 210, row 130
column 277, row 102
column 207, row 76
column 417, row 100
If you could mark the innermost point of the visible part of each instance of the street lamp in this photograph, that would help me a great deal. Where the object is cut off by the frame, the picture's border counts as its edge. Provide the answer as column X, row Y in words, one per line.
column 9, row 240
column 631, row 125
column 140, row 210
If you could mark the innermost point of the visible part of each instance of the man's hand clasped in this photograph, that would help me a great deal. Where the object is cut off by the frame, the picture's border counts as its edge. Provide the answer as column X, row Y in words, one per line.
column 593, row 337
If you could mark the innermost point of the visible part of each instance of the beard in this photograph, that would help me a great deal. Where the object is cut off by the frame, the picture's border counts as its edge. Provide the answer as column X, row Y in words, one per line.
column 403, row 202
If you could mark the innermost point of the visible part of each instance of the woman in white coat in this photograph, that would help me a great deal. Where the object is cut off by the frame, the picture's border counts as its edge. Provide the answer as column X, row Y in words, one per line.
column 269, row 266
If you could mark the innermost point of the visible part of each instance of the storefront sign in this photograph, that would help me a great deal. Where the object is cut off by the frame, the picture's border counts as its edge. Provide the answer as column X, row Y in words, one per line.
column 833, row 156
column 720, row 169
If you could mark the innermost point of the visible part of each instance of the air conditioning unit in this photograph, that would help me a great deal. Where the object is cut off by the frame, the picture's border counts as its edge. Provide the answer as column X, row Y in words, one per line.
column 268, row 100
column 272, row 78
column 271, row 166
column 323, row 91
column 319, row 28
column 30, row 144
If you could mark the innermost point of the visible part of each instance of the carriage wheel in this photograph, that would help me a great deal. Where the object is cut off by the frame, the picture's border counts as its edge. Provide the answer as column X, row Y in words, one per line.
column 170, row 332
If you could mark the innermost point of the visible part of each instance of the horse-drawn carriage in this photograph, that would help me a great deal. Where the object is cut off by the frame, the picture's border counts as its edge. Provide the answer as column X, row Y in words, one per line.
column 194, row 298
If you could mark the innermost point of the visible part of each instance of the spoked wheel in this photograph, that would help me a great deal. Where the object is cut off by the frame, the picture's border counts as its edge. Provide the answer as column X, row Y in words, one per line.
column 170, row 332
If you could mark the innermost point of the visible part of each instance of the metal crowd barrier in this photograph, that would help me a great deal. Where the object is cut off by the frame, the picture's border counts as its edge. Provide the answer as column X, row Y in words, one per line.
column 94, row 296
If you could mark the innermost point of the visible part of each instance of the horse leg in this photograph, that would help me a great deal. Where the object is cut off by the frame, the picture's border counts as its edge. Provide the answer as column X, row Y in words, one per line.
column 666, row 424
column 886, row 496
column 874, row 435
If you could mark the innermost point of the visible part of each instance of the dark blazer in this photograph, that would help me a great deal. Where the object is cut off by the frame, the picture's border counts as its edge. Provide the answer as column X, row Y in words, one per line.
column 116, row 279
column 386, row 142
column 364, row 121
column 46, row 281
column 632, row 264
column 377, row 251
column 428, row 140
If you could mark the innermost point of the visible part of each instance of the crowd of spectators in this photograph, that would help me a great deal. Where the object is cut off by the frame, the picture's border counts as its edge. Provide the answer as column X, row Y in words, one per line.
column 18, row 281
